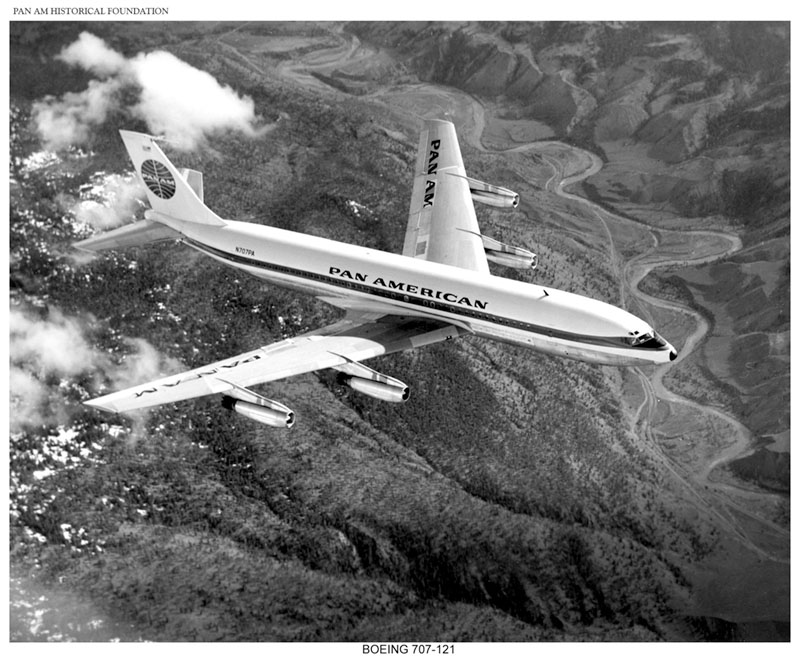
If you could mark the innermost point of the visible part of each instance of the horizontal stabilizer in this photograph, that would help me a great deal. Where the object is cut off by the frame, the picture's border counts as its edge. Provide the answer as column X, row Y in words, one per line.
column 131, row 235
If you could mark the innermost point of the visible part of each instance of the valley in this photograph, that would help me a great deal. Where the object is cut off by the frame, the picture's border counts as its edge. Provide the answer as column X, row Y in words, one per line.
column 504, row 506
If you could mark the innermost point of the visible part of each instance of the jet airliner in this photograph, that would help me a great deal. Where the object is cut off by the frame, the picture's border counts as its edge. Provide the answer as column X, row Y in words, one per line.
column 439, row 288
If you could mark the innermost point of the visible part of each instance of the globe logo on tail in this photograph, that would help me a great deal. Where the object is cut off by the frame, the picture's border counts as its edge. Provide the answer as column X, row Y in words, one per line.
column 158, row 178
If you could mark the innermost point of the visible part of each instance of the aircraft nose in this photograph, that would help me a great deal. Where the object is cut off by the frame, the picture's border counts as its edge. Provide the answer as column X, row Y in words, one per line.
column 672, row 355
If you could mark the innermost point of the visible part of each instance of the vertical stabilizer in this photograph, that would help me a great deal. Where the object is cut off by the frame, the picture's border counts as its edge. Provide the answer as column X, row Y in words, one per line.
column 168, row 191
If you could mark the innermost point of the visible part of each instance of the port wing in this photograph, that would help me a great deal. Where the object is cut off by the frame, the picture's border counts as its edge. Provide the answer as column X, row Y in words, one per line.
column 442, row 226
column 358, row 337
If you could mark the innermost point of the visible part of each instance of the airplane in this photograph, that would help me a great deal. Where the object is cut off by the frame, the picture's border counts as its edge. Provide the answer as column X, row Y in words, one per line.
column 440, row 288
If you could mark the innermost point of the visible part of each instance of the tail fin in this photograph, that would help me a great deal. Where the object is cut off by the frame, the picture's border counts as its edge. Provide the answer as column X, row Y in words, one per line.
column 175, row 196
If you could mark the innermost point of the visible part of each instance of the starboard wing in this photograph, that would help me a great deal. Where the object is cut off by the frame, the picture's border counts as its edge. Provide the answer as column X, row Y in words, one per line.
column 442, row 226
column 354, row 339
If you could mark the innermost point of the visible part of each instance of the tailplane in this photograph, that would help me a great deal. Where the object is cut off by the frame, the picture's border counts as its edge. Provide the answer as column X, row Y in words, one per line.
column 130, row 235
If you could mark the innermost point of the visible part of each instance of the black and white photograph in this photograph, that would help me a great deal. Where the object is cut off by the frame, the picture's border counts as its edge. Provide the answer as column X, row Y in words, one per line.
column 399, row 335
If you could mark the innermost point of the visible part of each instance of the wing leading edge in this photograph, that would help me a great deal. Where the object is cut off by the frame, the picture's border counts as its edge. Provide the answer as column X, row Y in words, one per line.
column 442, row 226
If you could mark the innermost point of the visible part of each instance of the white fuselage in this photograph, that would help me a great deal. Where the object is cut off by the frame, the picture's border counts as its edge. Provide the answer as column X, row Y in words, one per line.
column 547, row 320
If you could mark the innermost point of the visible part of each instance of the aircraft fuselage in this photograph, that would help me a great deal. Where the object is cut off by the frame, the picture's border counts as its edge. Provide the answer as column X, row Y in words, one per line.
column 545, row 319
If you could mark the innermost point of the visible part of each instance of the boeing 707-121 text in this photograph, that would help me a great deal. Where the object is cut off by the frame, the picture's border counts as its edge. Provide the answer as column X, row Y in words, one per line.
column 438, row 289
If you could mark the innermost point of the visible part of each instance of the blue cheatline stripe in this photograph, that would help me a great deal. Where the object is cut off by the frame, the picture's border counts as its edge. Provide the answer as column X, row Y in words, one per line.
column 611, row 342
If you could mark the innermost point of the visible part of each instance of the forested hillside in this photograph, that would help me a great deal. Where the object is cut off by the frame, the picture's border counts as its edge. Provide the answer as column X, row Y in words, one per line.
column 509, row 499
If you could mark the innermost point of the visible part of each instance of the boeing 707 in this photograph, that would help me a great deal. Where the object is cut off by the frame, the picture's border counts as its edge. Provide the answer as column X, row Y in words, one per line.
column 439, row 288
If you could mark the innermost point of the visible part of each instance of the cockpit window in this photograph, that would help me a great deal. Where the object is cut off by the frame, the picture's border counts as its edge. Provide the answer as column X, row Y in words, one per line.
column 648, row 340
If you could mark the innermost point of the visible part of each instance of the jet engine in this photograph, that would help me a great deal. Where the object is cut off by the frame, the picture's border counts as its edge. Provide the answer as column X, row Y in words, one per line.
column 508, row 255
column 274, row 415
column 491, row 194
column 256, row 407
column 375, row 389
column 372, row 383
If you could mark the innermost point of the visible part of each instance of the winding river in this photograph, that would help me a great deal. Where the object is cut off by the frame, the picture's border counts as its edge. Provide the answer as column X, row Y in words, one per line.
column 723, row 500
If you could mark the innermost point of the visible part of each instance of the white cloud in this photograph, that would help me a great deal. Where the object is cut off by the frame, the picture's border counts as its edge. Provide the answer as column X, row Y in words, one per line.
column 183, row 103
column 52, row 346
column 174, row 98
column 70, row 119
column 27, row 394
column 92, row 53
column 112, row 201
column 144, row 364
column 42, row 351
column 47, row 352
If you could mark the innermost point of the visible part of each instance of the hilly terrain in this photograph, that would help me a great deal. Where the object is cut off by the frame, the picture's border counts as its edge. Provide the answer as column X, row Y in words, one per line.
column 514, row 497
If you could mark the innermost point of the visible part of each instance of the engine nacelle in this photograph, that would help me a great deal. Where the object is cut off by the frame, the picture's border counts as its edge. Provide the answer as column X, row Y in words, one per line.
column 491, row 194
column 508, row 255
column 274, row 414
column 527, row 261
column 376, row 389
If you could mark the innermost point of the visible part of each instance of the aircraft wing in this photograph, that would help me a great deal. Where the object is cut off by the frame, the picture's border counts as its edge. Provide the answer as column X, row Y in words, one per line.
column 442, row 226
column 358, row 337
